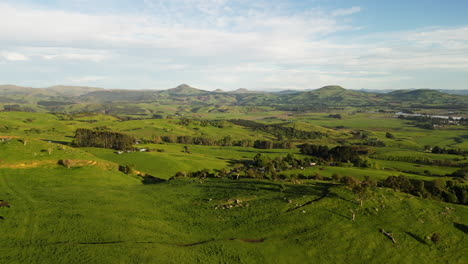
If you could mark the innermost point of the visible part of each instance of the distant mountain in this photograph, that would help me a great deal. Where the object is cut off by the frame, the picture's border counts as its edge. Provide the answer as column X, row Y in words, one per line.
column 242, row 91
column 424, row 97
column 375, row 90
column 283, row 92
column 117, row 96
column 63, row 90
column 447, row 91
column 185, row 89
column 332, row 96
column 9, row 89
column 458, row 92
column 54, row 91
column 61, row 98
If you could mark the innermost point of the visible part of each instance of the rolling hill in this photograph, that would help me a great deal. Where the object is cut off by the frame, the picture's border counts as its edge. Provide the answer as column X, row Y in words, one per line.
column 57, row 98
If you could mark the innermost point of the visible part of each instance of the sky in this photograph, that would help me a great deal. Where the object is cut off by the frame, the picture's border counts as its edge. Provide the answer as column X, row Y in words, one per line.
column 230, row 44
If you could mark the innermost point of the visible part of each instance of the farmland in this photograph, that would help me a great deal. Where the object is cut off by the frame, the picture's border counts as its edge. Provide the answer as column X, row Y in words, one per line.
column 232, row 187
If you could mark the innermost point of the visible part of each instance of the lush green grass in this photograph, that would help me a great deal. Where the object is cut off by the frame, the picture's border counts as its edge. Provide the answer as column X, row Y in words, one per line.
column 63, row 215
column 359, row 173
column 415, row 168
column 95, row 214
column 52, row 127
column 173, row 159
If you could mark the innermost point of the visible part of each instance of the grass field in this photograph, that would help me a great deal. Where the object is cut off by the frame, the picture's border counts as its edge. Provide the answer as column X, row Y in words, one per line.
column 87, row 215
column 92, row 213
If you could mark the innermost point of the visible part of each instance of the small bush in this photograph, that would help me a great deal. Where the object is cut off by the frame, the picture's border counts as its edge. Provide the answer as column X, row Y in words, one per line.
column 435, row 238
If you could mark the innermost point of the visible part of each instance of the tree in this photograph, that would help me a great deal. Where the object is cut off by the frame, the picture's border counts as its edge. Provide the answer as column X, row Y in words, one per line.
column 389, row 135
column 317, row 176
column 336, row 176
column 187, row 150
column 250, row 173
column 226, row 141
column 419, row 188
column 157, row 139
column 461, row 173
column 222, row 173
column 260, row 160
column 349, row 181
column 170, row 138
column 362, row 191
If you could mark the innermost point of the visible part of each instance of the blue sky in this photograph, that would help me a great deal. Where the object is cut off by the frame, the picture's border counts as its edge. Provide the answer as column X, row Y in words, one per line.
column 228, row 44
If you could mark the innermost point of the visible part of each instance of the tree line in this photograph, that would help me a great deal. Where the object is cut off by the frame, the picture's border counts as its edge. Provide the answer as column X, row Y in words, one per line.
column 279, row 130
column 225, row 141
column 447, row 191
column 416, row 159
column 349, row 154
column 439, row 150
column 102, row 139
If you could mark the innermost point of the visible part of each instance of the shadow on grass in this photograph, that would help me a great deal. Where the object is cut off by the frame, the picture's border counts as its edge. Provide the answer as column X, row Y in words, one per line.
column 339, row 214
column 417, row 238
column 66, row 143
column 461, row 227
column 324, row 187
column 317, row 189
column 258, row 151
column 148, row 179
column 236, row 161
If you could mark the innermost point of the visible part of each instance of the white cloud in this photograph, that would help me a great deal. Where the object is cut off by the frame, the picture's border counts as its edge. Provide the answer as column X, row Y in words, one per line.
column 347, row 11
column 86, row 79
column 210, row 41
column 13, row 56
column 76, row 56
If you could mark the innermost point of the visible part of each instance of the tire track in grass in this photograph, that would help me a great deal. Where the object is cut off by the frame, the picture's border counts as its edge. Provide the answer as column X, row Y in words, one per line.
column 260, row 240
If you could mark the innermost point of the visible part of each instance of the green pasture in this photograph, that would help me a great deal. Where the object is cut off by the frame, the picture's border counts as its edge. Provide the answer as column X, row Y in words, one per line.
column 86, row 215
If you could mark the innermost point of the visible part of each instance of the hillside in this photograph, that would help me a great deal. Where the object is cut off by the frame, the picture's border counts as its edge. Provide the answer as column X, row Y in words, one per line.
column 332, row 96
column 173, row 199
column 424, row 97
column 75, row 98
column 108, row 217
column 184, row 89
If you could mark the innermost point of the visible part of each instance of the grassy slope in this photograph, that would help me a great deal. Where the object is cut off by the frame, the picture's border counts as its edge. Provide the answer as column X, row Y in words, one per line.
column 51, row 127
column 166, row 164
column 62, row 216
column 56, row 212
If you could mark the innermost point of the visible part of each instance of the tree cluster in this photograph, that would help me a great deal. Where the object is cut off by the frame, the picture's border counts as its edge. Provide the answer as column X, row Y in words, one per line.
column 102, row 139
column 416, row 159
column 225, row 141
column 439, row 150
column 337, row 116
column 279, row 130
column 201, row 122
column 350, row 154
column 437, row 189
column 261, row 166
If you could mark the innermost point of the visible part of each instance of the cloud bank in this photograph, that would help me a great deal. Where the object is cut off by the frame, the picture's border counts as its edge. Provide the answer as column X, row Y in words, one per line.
column 220, row 44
